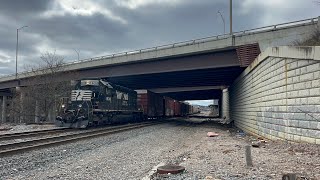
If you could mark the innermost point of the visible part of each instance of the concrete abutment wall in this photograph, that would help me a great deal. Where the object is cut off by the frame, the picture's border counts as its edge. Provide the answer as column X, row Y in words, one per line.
column 278, row 95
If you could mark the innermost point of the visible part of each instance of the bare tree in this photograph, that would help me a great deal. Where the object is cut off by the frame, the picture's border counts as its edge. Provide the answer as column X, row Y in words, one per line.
column 312, row 40
column 36, row 102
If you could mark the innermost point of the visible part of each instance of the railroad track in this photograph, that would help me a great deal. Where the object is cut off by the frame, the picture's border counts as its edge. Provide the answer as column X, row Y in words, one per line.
column 18, row 147
column 30, row 134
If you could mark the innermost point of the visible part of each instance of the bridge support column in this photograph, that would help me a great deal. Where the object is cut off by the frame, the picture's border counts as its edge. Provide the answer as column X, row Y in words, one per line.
column 22, row 112
column 1, row 109
column 19, row 113
column 4, row 109
column 52, row 114
column 225, row 106
column 36, row 112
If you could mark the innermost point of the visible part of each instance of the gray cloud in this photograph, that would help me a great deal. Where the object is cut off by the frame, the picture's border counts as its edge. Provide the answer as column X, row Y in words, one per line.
column 100, row 27
column 15, row 8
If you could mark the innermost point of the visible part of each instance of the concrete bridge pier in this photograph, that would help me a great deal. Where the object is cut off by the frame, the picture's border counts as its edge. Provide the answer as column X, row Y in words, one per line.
column 36, row 112
column 51, row 114
column 225, row 106
column 22, row 111
column 18, row 113
column 3, row 109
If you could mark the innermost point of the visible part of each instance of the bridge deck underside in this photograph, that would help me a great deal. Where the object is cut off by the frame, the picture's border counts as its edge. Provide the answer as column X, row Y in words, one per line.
column 183, row 79
column 195, row 95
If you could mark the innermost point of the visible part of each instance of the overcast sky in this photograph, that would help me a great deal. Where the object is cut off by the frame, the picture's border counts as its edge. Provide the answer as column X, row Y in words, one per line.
column 100, row 27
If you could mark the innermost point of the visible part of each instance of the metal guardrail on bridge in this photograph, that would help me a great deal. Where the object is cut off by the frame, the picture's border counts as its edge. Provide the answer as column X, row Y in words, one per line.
column 196, row 41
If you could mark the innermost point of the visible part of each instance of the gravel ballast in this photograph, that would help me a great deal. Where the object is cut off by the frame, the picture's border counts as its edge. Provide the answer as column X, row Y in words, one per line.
column 13, row 128
column 132, row 154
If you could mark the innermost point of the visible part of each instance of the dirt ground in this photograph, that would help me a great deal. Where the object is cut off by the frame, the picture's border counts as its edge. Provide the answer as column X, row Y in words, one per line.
column 223, row 157
column 132, row 155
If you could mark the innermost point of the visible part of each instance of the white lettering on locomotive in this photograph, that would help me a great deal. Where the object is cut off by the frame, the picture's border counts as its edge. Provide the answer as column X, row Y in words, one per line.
column 121, row 95
column 126, row 97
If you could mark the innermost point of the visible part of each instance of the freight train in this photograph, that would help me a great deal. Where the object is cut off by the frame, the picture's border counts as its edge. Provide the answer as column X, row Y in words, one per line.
column 96, row 101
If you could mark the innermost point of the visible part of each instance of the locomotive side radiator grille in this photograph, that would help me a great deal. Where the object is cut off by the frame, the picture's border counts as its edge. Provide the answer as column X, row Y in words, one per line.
column 81, row 95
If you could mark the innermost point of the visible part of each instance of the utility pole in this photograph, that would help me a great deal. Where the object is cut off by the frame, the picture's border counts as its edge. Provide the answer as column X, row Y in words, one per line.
column 230, row 17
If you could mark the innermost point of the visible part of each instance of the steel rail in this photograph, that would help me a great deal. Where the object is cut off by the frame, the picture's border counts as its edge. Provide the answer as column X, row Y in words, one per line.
column 28, row 134
column 14, row 148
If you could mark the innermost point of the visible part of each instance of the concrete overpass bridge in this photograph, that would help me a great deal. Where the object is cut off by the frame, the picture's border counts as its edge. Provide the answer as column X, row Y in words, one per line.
column 195, row 69
column 190, row 70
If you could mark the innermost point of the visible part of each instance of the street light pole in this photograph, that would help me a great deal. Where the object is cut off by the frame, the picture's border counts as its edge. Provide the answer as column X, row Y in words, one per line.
column 224, row 24
column 231, row 17
column 17, row 54
column 17, row 47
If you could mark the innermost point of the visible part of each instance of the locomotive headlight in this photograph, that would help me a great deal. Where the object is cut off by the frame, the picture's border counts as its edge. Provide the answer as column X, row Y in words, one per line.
column 80, row 105
column 63, row 106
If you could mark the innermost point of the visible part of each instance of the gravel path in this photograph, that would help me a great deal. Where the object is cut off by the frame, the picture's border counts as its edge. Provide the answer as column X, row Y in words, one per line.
column 132, row 154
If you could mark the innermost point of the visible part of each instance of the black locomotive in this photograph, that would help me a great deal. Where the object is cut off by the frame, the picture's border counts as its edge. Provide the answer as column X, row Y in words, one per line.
column 96, row 101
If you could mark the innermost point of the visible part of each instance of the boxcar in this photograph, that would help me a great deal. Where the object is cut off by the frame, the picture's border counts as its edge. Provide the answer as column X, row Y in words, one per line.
column 169, row 106
column 151, row 104
column 177, row 108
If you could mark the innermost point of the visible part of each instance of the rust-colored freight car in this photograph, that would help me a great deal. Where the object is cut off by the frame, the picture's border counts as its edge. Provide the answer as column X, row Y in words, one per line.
column 169, row 106
column 155, row 105
column 150, row 103
column 177, row 108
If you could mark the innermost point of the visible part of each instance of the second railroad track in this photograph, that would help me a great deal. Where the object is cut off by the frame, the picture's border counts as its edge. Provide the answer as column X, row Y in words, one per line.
column 27, row 145
column 30, row 134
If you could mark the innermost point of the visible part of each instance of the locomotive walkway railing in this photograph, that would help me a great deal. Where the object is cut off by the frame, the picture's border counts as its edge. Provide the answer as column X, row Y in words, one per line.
column 309, row 21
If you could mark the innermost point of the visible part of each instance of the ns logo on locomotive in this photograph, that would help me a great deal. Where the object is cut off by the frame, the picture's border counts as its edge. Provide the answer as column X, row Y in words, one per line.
column 96, row 102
